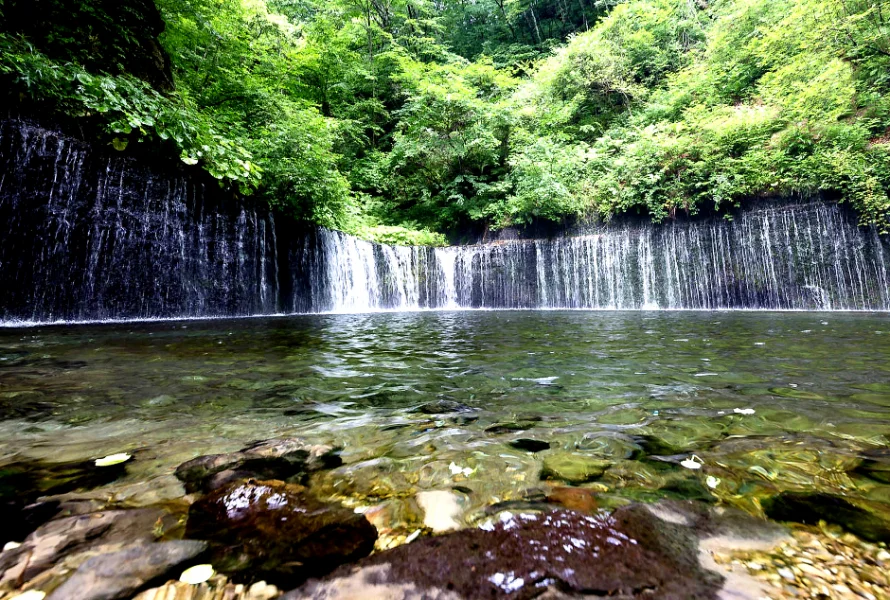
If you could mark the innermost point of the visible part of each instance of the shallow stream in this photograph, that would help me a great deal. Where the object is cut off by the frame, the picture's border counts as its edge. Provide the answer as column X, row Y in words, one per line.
column 768, row 402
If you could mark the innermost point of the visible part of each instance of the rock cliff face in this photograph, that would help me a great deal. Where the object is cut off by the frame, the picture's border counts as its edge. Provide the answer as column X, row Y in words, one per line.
column 96, row 235
column 113, row 36
column 90, row 235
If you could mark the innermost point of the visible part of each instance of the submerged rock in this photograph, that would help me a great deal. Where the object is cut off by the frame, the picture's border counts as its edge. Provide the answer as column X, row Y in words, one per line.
column 274, row 531
column 441, row 510
column 687, row 489
column 579, row 499
column 121, row 574
column 637, row 552
column 529, row 445
column 443, row 407
column 809, row 509
column 876, row 465
column 654, row 446
column 510, row 427
column 573, row 468
column 30, row 404
column 22, row 483
column 282, row 459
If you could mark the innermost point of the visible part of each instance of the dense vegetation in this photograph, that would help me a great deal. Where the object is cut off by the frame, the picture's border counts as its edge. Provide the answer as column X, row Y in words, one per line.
column 403, row 119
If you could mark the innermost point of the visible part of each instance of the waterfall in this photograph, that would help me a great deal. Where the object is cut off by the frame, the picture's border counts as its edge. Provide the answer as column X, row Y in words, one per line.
column 806, row 256
column 90, row 236
column 87, row 236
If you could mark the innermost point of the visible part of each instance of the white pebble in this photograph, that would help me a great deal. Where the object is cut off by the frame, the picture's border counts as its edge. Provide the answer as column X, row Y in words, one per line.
column 786, row 574
column 197, row 574
column 113, row 459
column 693, row 462
column 30, row 595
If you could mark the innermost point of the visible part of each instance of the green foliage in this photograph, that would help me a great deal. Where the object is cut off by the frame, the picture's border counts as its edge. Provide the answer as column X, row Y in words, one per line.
column 397, row 119
column 450, row 144
column 401, row 236
column 130, row 109
column 769, row 98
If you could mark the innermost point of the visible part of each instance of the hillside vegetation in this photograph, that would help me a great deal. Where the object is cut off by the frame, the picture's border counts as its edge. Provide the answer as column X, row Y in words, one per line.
column 402, row 120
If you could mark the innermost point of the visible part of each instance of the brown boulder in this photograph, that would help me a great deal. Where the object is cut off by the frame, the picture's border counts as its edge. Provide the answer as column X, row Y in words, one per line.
column 523, row 556
column 274, row 531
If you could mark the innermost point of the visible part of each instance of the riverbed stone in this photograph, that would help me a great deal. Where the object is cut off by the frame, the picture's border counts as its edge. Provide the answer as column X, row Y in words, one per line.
column 24, row 482
column 810, row 508
column 441, row 510
column 638, row 551
column 105, row 531
column 573, row 468
column 120, row 574
column 218, row 588
column 281, row 459
column 274, row 530
column 573, row 498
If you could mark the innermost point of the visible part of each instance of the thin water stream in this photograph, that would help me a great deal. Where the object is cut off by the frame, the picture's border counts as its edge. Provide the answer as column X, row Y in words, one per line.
column 449, row 400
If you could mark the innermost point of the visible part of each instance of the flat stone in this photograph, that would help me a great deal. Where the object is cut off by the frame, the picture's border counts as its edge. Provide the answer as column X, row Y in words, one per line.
column 121, row 574
column 573, row 468
column 273, row 530
column 78, row 534
column 164, row 489
column 281, row 459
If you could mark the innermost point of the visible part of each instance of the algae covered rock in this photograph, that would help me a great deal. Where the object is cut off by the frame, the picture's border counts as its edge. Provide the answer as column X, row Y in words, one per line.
column 876, row 465
column 573, row 468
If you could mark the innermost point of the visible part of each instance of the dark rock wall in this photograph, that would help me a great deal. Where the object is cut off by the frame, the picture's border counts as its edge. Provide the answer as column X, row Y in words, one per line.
column 88, row 235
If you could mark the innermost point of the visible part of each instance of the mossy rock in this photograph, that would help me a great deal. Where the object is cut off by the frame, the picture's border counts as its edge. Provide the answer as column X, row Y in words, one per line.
column 574, row 468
